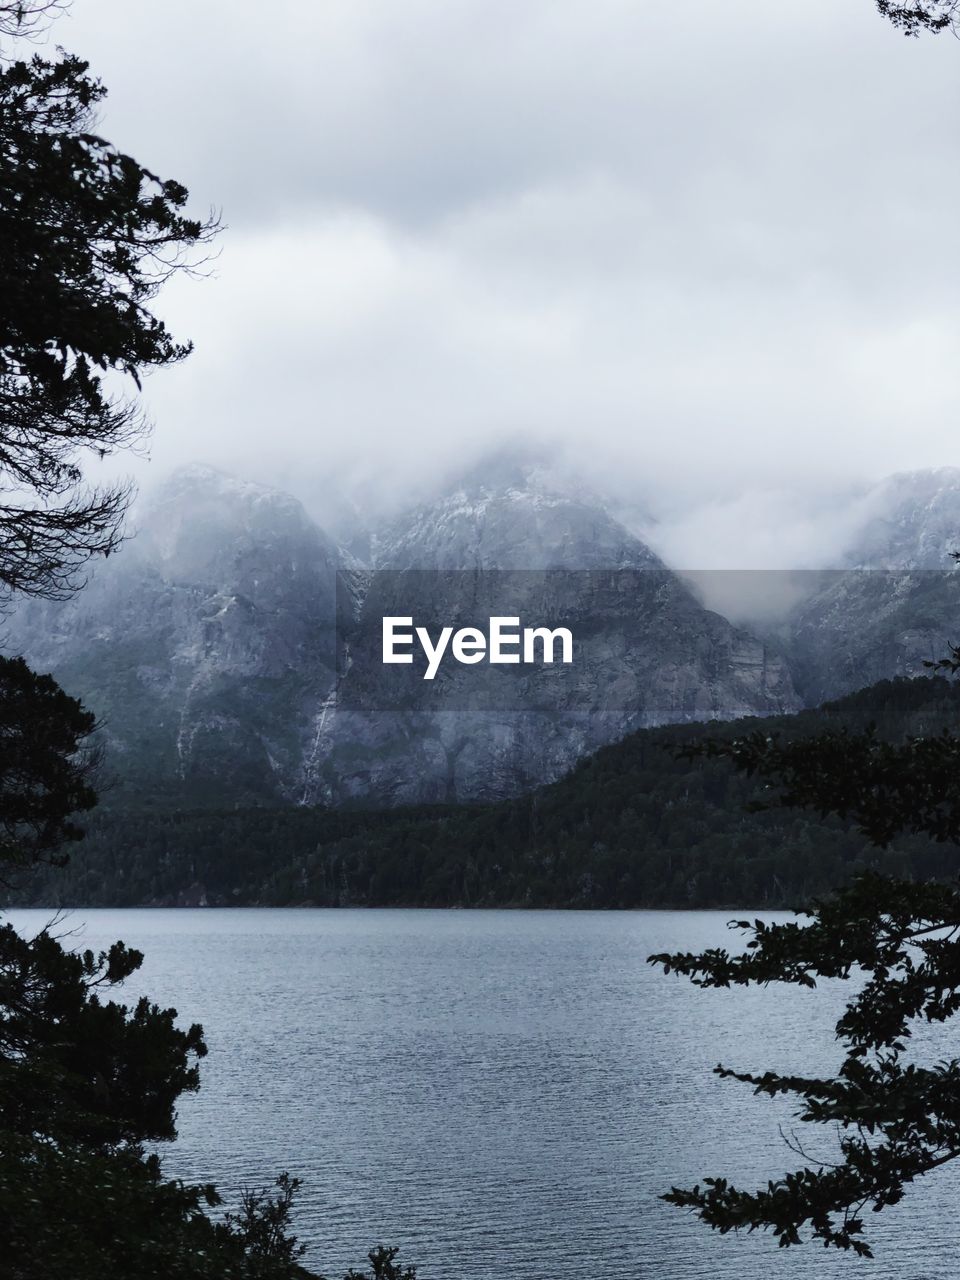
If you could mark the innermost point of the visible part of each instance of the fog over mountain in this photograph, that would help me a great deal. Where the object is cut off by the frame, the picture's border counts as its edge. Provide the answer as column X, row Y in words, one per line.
column 470, row 468
column 216, row 646
column 897, row 606
column 455, row 227
column 499, row 292
column 223, row 655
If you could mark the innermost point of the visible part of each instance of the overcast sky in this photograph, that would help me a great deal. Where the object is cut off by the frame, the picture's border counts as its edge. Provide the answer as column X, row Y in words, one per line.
column 708, row 249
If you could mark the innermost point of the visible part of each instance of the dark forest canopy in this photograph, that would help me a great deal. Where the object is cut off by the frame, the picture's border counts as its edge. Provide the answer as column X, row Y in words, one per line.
column 632, row 826
column 46, row 767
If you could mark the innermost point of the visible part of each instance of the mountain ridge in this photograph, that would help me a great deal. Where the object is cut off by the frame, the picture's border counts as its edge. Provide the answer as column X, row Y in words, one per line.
column 213, row 645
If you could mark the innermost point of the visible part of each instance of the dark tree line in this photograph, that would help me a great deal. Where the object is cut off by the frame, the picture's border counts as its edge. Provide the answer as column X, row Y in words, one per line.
column 633, row 826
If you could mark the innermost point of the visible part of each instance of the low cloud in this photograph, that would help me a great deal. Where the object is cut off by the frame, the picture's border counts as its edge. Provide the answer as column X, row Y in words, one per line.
column 699, row 251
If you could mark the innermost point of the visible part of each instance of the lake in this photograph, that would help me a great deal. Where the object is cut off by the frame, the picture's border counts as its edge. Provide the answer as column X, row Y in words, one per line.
column 502, row 1093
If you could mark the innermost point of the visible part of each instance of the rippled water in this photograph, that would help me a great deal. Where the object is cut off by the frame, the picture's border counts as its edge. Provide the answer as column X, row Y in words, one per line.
column 502, row 1093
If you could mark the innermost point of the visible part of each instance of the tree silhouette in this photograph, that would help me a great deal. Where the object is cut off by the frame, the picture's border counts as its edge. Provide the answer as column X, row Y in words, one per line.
column 46, row 769
column 87, row 237
column 897, row 1120
column 26, row 17
column 923, row 15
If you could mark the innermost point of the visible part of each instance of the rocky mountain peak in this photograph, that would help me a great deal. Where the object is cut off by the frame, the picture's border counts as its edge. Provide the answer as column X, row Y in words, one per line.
column 912, row 521
column 204, row 523
column 516, row 513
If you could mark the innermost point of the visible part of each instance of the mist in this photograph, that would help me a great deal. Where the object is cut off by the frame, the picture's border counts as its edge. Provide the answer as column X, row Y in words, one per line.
column 694, row 253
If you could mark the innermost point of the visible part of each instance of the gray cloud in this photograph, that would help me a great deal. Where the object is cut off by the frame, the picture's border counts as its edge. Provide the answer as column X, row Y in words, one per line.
column 703, row 250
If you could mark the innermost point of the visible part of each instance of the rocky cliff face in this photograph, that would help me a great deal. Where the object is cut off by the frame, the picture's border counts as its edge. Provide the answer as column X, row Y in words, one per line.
column 204, row 645
column 510, row 516
column 210, row 647
column 896, row 604
column 647, row 652
column 912, row 522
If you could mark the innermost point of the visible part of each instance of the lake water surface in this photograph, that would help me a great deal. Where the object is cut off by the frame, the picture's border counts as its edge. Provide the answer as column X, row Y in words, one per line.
column 502, row 1093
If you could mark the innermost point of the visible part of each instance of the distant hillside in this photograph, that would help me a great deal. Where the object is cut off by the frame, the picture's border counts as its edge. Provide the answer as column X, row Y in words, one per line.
column 895, row 603
column 631, row 826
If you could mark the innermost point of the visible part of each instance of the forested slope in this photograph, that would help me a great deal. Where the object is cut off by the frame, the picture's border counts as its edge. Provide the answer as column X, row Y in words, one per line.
column 632, row 826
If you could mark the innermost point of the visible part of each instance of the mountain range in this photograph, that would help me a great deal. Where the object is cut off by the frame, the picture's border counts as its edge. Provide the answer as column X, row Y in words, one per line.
column 216, row 646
